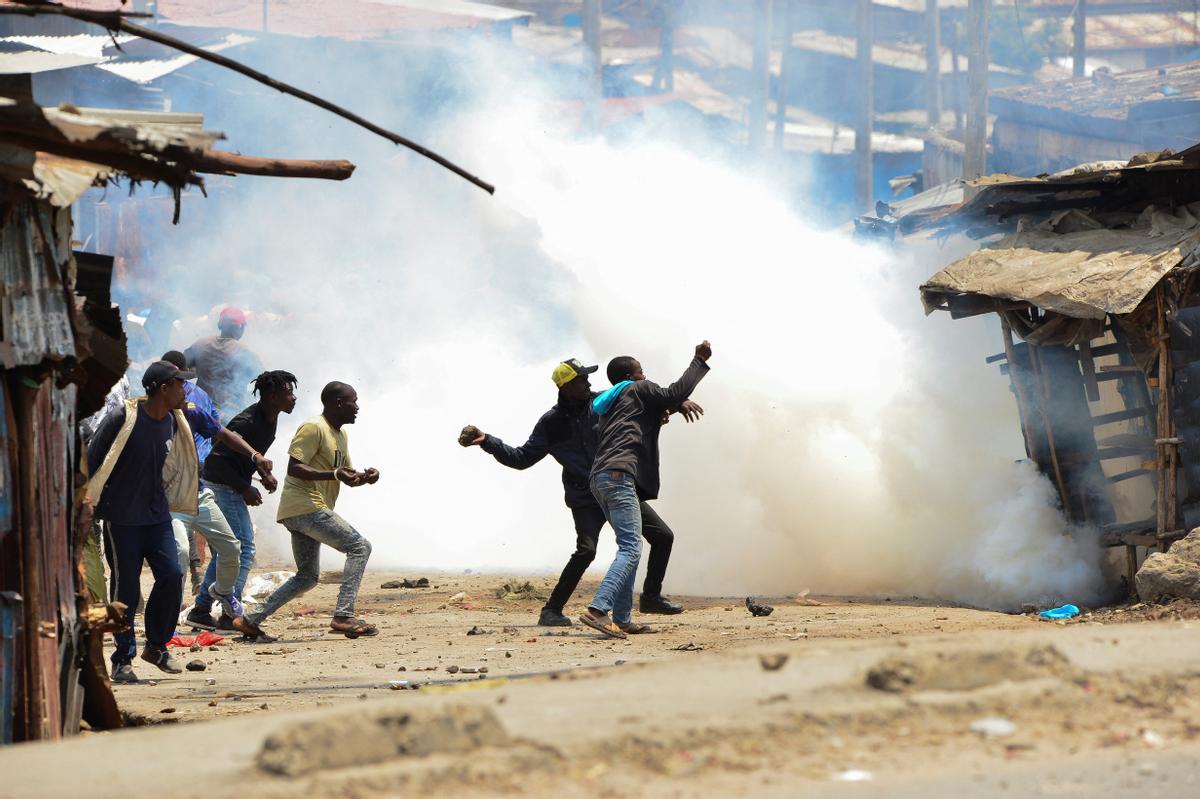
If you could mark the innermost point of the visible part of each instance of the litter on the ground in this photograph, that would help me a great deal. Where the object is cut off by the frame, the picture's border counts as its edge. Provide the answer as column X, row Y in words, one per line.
column 1061, row 612
column 262, row 585
column 515, row 589
column 993, row 727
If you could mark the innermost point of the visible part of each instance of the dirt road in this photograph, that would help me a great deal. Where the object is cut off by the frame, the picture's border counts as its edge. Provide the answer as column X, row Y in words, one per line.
column 867, row 698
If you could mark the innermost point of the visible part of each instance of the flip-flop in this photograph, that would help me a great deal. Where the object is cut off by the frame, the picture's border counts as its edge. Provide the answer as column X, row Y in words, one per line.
column 633, row 628
column 604, row 624
column 361, row 627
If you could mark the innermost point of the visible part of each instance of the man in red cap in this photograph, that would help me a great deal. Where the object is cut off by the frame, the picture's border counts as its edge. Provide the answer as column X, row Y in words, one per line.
column 224, row 366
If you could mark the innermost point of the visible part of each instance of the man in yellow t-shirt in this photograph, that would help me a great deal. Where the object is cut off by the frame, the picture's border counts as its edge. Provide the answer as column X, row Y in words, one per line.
column 318, row 465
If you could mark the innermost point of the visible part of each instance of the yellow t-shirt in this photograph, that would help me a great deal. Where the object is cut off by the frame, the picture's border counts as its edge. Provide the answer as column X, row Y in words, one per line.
column 318, row 445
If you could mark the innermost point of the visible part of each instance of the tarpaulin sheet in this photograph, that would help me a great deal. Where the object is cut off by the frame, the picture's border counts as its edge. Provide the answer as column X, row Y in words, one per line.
column 1083, row 273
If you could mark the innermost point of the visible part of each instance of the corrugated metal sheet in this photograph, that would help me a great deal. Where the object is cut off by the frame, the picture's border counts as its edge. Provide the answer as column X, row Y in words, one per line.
column 10, row 622
column 35, row 320
column 1107, row 96
column 22, row 59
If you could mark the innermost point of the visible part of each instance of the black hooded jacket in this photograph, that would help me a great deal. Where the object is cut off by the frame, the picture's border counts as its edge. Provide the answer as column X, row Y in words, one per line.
column 567, row 433
column 628, row 432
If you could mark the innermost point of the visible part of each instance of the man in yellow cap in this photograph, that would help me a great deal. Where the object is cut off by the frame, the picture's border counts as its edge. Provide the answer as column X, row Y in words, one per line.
column 567, row 433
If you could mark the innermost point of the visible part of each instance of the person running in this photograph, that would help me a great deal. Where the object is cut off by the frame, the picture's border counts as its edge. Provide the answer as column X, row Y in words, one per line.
column 625, row 473
column 318, row 465
column 567, row 433
column 229, row 472
column 223, row 364
column 208, row 521
column 142, row 462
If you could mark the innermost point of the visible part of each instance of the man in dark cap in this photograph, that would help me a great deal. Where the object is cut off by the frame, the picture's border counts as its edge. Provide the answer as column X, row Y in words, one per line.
column 567, row 433
column 143, row 465
column 224, row 366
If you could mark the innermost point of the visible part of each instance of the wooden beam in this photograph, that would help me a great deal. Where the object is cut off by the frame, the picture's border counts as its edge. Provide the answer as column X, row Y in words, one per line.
column 975, row 160
column 1079, row 39
column 217, row 162
column 1035, row 358
column 933, row 64
column 760, row 75
column 117, row 22
column 1119, row 416
column 1087, row 366
column 865, row 116
column 1024, row 409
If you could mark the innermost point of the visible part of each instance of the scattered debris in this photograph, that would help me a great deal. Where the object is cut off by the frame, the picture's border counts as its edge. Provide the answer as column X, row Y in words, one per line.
column 303, row 610
column 1153, row 739
column 993, row 727
column 772, row 662
column 690, row 646
column 452, row 669
column 803, row 598
column 509, row 630
column 757, row 608
column 196, row 665
column 1061, row 612
column 477, row 630
column 261, row 586
column 461, row 596
column 307, row 747
column 400, row 685
column 519, row 590
column 196, row 648
column 167, row 710
column 468, row 670
column 420, row 582
column 854, row 775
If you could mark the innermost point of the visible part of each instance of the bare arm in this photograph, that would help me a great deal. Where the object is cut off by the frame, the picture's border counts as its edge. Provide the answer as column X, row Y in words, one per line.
column 238, row 444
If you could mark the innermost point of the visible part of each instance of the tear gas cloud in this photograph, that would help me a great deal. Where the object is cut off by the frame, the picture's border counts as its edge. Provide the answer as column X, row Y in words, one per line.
column 850, row 445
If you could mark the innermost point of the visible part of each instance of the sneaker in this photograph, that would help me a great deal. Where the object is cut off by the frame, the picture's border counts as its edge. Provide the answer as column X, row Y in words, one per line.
column 224, row 625
column 123, row 673
column 200, row 619
column 552, row 618
column 229, row 603
column 161, row 657
column 658, row 604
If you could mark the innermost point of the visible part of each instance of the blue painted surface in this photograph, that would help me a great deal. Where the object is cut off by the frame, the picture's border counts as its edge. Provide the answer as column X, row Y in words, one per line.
column 5, row 478
column 10, row 613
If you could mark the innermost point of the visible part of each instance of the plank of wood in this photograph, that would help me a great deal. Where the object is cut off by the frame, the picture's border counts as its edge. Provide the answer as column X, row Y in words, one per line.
column 1088, row 367
column 1120, row 416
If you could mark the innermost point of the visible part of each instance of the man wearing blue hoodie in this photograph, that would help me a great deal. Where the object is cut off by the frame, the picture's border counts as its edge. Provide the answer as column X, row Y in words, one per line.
column 625, row 473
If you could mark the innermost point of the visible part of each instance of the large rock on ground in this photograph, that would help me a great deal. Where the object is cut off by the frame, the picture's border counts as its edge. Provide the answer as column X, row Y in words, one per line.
column 1172, row 574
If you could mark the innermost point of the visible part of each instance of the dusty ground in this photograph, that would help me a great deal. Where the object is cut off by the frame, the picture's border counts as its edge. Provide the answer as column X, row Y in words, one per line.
column 694, row 710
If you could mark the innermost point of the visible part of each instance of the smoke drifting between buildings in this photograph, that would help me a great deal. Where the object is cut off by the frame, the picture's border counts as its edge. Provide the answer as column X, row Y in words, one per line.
column 849, row 446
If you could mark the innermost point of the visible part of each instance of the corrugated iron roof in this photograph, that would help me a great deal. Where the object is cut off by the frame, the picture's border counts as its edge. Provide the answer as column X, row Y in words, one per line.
column 345, row 19
column 17, row 58
column 1107, row 95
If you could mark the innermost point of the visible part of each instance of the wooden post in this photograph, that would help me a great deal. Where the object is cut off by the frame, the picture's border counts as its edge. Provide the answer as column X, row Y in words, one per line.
column 933, row 63
column 1035, row 359
column 1079, row 43
column 1166, row 444
column 36, row 713
column 975, row 157
column 863, row 177
column 760, row 75
column 593, row 64
column 956, row 86
column 1023, row 406
column 785, row 59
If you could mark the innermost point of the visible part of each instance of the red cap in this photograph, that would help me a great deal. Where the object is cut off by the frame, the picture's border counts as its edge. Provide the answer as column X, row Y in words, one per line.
column 233, row 315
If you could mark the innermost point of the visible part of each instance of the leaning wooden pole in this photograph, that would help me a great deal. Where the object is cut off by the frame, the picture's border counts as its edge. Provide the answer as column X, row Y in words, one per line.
column 975, row 156
column 116, row 22
column 1023, row 406
column 1035, row 358
column 1166, row 443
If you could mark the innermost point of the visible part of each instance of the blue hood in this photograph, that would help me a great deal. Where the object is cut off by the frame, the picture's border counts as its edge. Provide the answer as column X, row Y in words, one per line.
column 604, row 402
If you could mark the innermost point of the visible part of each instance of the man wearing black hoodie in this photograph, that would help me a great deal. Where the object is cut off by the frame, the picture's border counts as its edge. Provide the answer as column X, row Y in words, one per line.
column 625, row 474
column 567, row 433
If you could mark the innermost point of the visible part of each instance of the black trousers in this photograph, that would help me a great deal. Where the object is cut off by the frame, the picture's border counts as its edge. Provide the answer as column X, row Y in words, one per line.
column 588, row 521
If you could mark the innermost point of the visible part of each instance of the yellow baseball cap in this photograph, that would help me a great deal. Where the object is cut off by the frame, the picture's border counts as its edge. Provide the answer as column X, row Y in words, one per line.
column 568, row 370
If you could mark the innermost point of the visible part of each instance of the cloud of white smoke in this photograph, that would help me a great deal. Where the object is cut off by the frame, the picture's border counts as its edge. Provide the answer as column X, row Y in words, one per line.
column 850, row 445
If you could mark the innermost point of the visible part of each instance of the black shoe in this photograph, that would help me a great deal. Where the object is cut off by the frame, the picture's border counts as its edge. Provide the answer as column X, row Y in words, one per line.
column 658, row 604
column 201, row 619
column 224, row 625
column 123, row 673
column 552, row 618
column 162, row 659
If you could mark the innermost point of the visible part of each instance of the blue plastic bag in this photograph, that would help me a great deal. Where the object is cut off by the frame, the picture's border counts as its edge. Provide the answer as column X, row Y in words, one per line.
column 1063, row 612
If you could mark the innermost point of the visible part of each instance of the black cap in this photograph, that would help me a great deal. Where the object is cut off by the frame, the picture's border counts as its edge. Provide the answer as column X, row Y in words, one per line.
column 162, row 372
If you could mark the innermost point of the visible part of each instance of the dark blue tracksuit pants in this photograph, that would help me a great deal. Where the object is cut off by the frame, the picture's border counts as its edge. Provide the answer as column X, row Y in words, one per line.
column 133, row 545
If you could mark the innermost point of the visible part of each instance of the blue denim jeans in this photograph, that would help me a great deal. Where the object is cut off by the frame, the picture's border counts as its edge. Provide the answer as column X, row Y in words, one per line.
column 230, row 501
column 617, row 495
column 308, row 533
column 131, row 546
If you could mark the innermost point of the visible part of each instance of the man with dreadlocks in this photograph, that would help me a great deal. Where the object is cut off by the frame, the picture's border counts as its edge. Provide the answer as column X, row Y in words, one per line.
column 228, row 473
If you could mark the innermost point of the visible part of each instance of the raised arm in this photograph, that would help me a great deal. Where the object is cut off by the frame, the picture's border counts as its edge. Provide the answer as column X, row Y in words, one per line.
column 672, row 396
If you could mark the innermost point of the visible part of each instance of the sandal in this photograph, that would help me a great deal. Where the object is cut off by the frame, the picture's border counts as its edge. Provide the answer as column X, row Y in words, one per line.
column 633, row 628
column 603, row 623
column 358, row 627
